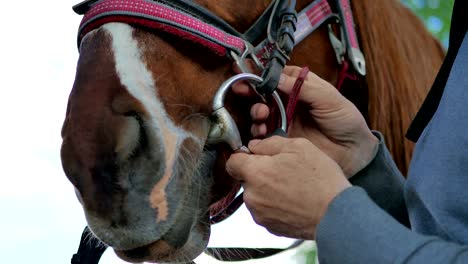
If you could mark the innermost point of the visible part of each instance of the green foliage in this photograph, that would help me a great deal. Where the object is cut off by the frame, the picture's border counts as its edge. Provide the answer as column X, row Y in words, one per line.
column 311, row 257
column 436, row 14
column 308, row 254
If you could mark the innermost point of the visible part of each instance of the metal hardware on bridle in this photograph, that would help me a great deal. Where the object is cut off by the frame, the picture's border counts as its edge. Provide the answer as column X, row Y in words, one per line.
column 241, row 63
column 337, row 43
column 355, row 55
column 224, row 128
column 249, row 53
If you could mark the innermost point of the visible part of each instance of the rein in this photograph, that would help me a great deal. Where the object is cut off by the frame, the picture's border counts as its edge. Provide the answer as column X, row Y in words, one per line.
column 284, row 29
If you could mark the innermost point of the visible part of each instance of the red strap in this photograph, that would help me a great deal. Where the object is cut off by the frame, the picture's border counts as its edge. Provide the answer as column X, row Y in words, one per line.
column 294, row 96
column 274, row 120
column 345, row 73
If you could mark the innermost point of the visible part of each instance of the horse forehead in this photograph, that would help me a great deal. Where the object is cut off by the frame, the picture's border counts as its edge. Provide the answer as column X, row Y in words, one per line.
column 129, row 64
column 138, row 80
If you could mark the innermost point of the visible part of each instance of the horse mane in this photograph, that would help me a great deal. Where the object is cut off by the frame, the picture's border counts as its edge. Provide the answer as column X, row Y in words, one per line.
column 402, row 61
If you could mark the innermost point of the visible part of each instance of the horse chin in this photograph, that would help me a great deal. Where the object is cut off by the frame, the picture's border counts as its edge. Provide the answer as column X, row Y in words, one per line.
column 196, row 231
column 162, row 252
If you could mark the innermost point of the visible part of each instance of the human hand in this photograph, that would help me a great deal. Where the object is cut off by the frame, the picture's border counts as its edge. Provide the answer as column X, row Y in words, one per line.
column 288, row 184
column 324, row 117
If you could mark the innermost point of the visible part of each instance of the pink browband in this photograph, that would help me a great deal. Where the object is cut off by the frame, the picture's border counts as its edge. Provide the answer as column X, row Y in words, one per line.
column 311, row 18
column 159, row 16
column 156, row 15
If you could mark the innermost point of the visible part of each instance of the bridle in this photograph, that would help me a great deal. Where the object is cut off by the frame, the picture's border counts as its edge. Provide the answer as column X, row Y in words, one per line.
column 284, row 29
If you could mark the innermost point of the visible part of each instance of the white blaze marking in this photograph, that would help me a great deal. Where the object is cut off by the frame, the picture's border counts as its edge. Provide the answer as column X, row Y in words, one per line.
column 138, row 80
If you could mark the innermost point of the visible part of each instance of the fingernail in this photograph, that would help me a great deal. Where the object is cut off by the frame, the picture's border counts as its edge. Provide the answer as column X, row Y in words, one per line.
column 282, row 80
column 254, row 142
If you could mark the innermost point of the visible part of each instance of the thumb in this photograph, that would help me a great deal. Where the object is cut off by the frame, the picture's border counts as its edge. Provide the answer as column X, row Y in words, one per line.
column 269, row 146
column 236, row 165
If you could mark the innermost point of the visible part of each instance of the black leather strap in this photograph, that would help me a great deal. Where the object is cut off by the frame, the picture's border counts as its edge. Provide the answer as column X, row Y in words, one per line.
column 229, row 210
column 259, row 27
column 90, row 249
column 281, row 28
column 240, row 254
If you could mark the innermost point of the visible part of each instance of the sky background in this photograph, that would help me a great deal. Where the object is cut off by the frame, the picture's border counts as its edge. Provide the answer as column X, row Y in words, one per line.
column 41, row 220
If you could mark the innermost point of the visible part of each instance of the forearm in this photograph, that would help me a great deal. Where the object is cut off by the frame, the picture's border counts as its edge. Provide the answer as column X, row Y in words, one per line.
column 356, row 230
column 383, row 182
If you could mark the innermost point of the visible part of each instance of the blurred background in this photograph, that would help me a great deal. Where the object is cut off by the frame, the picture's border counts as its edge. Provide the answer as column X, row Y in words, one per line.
column 436, row 14
column 41, row 219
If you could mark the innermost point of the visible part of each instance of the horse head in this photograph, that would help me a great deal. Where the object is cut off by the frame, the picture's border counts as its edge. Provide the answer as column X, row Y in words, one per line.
column 134, row 135
column 136, row 128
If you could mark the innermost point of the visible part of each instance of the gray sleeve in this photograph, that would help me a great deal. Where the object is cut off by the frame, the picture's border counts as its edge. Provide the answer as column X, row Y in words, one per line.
column 383, row 182
column 356, row 230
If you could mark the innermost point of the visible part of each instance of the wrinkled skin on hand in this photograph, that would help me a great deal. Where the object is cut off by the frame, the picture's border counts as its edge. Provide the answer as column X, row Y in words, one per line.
column 324, row 117
column 289, row 182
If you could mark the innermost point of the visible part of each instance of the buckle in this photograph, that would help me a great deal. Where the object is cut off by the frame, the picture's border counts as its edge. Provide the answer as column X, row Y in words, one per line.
column 249, row 52
column 337, row 43
column 358, row 60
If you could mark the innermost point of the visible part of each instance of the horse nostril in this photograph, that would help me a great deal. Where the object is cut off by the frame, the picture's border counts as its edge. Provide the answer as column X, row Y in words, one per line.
column 128, row 136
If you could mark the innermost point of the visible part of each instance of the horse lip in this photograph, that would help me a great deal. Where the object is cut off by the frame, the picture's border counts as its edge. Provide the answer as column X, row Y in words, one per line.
column 143, row 253
column 165, row 251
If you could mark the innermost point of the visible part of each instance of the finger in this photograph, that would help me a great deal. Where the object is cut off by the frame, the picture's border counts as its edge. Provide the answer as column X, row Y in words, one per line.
column 270, row 146
column 258, row 130
column 243, row 89
column 292, row 71
column 259, row 112
column 237, row 165
column 315, row 91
